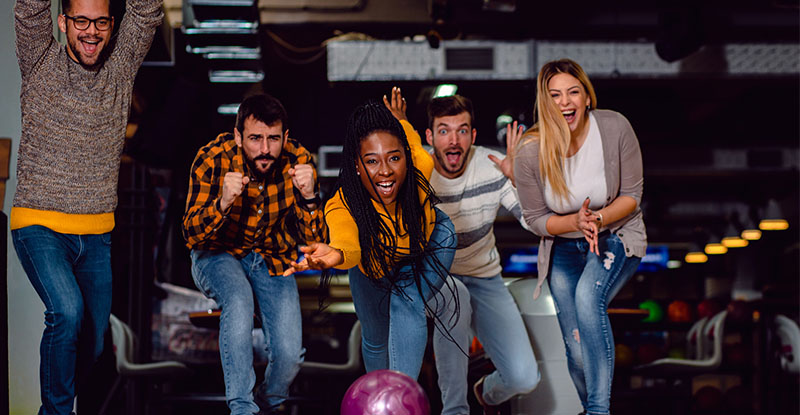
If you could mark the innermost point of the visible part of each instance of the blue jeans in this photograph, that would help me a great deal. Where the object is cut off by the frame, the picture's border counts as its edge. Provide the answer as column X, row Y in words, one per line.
column 72, row 275
column 582, row 285
column 394, row 329
column 487, row 309
column 233, row 284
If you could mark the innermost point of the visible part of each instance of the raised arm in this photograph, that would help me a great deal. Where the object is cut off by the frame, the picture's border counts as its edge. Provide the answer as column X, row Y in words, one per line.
column 135, row 34
column 207, row 203
column 509, row 199
column 506, row 164
column 397, row 105
column 34, row 28
column 308, row 209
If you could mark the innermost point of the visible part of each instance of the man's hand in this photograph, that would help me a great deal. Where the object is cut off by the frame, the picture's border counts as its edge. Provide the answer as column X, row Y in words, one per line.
column 232, row 186
column 318, row 256
column 303, row 179
column 397, row 104
column 506, row 165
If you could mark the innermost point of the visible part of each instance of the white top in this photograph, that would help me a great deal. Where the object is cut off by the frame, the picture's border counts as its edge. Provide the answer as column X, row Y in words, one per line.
column 584, row 174
column 472, row 201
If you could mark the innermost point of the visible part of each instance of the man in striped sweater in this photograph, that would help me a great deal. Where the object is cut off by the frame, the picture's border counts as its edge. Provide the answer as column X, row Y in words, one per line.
column 472, row 183
column 75, row 101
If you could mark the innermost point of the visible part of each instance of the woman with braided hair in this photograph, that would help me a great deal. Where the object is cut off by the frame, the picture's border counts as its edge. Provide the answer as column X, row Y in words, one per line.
column 385, row 230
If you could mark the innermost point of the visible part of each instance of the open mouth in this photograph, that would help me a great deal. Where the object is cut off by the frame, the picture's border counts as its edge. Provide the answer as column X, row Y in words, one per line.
column 569, row 115
column 90, row 45
column 453, row 157
column 386, row 187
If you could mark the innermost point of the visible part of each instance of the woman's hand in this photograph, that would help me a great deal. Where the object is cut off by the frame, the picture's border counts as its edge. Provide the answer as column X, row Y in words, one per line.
column 588, row 224
column 318, row 256
column 396, row 104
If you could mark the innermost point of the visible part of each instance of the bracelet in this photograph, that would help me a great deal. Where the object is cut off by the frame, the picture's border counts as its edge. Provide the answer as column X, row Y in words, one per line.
column 600, row 219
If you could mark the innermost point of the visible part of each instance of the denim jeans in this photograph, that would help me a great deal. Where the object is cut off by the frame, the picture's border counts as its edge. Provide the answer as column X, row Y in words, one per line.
column 233, row 284
column 487, row 309
column 72, row 275
column 582, row 285
column 394, row 329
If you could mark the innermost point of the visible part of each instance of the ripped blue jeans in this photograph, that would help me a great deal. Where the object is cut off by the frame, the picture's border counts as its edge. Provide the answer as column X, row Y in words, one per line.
column 582, row 285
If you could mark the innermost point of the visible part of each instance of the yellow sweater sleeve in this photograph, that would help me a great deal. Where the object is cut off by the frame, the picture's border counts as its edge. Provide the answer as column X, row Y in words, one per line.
column 343, row 230
column 422, row 160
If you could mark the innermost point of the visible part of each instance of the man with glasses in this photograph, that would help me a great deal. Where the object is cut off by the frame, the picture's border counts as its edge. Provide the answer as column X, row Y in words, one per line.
column 75, row 100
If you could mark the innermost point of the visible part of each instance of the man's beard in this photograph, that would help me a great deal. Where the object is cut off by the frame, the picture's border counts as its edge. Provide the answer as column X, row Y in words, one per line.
column 256, row 172
column 101, row 56
column 440, row 155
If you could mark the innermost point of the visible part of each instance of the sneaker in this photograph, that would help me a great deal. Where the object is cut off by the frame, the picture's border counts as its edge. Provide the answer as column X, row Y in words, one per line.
column 260, row 398
column 477, row 389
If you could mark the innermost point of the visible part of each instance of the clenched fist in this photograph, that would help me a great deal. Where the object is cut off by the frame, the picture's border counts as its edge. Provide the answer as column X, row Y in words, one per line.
column 303, row 179
column 232, row 186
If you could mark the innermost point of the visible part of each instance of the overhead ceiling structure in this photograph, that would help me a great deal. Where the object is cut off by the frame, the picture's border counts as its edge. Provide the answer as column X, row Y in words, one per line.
column 712, row 88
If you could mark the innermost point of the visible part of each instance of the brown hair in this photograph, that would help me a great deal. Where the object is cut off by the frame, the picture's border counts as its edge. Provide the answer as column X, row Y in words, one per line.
column 450, row 105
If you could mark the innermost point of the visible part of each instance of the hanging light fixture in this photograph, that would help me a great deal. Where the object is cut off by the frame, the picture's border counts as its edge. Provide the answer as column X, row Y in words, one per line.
column 733, row 238
column 750, row 231
column 695, row 255
column 773, row 218
column 714, row 247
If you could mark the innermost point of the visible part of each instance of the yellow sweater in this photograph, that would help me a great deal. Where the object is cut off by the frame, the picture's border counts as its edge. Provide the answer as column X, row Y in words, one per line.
column 342, row 226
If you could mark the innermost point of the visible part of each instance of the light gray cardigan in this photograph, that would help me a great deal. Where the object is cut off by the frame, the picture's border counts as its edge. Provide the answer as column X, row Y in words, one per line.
column 623, row 170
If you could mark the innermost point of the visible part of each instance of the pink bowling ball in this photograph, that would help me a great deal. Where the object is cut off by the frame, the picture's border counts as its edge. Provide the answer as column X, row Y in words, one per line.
column 385, row 392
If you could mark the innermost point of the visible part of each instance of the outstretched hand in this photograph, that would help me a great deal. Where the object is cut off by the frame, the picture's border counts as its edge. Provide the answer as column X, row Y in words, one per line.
column 506, row 165
column 396, row 104
column 317, row 256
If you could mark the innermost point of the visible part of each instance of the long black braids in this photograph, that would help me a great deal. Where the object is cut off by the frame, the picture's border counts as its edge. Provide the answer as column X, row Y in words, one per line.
column 380, row 256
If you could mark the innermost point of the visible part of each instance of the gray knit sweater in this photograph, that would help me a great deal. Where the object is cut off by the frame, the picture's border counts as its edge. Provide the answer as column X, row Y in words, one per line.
column 73, row 119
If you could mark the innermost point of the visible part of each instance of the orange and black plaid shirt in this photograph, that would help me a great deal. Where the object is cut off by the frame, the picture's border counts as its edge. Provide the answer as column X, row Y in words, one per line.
column 266, row 218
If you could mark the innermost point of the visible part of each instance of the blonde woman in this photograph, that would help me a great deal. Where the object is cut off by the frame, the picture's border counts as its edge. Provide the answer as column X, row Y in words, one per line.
column 579, row 176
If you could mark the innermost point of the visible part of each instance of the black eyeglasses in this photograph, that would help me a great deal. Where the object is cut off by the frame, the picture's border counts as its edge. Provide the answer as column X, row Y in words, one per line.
column 82, row 23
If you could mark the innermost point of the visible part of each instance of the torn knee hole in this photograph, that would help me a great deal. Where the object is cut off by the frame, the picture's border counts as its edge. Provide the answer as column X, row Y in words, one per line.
column 608, row 260
column 576, row 335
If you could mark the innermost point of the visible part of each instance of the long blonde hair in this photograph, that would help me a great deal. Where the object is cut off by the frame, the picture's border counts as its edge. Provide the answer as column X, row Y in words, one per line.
column 551, row 128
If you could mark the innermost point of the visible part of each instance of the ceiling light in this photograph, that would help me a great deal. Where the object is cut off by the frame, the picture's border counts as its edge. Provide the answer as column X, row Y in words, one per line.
column 773, row 218
column 734, row 242
column 695, row 258
column 715, row 249
column 732, row 238
column 773, row 225
column 751, row 234
column 445, row 90
column 750, row 231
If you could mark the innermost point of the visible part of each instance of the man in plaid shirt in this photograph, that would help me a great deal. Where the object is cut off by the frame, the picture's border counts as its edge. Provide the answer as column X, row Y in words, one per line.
column 253, row 197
